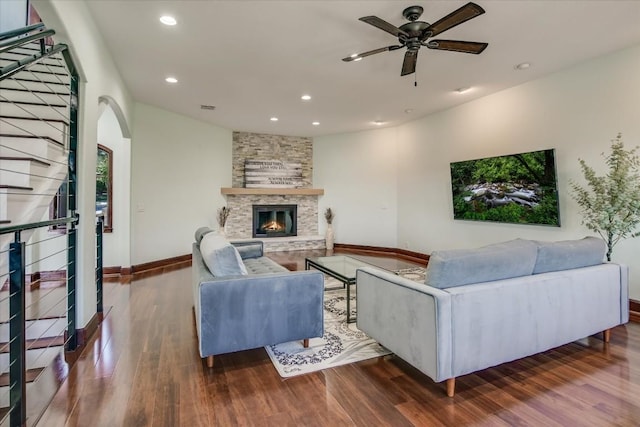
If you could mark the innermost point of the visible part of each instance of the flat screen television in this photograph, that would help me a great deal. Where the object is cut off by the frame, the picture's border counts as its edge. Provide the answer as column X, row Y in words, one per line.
column 515, row 188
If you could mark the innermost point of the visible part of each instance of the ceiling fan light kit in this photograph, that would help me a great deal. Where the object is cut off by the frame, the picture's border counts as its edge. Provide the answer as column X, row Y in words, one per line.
column 415, row 34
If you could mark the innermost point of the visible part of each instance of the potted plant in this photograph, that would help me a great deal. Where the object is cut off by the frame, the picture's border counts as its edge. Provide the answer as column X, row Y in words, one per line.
column 610, row 205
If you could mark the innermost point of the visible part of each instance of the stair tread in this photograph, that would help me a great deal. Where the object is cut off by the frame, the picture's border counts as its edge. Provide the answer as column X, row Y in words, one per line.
column 31, row 376
column 36, row 344
column 39, row 119
column 35, row 71
column 22, row 79
column 26, row 159
column 43, row 92
column 34, row 103
column 29, row 319
column 17, row 56
column 48, row 138
column 14, row 187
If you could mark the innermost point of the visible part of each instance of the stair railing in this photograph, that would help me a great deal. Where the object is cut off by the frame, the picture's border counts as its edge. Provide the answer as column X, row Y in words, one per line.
column 17, row 410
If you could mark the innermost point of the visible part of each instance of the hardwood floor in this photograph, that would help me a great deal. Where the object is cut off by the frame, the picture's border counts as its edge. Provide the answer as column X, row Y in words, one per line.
column 143, row 369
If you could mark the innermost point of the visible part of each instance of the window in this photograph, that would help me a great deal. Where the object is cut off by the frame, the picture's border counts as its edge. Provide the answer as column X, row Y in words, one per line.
column 58, row 207
column 104, row 185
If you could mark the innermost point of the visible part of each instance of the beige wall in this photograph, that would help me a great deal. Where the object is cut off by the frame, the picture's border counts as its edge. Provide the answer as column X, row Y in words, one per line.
column 359, row 174
column 177, row 168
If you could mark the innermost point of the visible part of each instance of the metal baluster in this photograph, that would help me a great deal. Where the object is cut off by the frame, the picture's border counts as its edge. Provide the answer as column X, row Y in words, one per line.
column 99, row 273
column 17, row 346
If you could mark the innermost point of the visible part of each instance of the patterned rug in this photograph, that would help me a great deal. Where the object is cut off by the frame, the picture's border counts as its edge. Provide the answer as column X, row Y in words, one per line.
column 342, row 342
column 417, row 274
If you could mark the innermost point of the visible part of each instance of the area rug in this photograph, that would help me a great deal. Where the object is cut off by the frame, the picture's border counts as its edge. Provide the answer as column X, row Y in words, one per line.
column 342, row 343
column 417, row 274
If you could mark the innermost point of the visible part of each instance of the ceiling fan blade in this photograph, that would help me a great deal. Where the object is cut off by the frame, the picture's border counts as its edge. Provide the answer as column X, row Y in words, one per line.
column 383, row 25
column 457, row 17
column 457, row 46
column 409, row 64
column 369, row 53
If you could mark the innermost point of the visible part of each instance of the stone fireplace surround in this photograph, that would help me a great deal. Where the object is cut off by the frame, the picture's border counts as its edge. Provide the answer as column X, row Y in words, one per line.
column 273, row 147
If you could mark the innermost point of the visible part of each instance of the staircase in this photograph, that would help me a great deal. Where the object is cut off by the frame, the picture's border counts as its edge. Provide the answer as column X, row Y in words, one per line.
column 34, row 130
column 35, row 110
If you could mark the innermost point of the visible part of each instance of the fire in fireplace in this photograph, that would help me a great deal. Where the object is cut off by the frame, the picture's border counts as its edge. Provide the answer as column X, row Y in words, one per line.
column 275, row 220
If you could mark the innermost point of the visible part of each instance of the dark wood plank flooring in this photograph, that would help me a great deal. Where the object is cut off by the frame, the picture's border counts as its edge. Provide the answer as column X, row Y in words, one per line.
column 143, row 369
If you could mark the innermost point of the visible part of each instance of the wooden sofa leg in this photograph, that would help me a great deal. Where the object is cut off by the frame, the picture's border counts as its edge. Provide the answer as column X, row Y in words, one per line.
column 451, row 387
column 209, row 361
column 305, row 343
column 606, row 335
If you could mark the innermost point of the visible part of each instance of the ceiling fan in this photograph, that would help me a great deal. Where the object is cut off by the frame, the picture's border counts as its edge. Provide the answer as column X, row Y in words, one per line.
column 415, row 34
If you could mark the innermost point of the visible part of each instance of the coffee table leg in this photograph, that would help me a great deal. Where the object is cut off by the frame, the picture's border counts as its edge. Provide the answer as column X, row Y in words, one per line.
column 349, row 318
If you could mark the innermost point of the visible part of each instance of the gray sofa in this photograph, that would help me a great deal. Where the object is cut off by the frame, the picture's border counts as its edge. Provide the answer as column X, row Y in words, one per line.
column 482, row 307
column 244, row 300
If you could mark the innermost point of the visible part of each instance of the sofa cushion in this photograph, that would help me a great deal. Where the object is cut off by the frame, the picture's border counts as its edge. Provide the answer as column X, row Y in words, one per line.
column 252, row 249
column 499, row 261
column 263, row 265
column 567, row 254
column 220, row 256
column 200, row 232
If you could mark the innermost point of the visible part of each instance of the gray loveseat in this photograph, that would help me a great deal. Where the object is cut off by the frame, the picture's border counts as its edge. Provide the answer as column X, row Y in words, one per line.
column 244, row 300
column 482, row 307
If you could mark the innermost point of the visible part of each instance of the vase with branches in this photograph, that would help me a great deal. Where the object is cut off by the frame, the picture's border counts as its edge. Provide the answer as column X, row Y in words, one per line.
column 223, row 215
column 329, row 235
column 610, row 204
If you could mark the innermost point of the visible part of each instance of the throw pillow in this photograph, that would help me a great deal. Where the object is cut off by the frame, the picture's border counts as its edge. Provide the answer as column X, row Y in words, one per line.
column 220, row 256
column 499, row 261
column 567, row 254
column 200, row 232
column 250, row 249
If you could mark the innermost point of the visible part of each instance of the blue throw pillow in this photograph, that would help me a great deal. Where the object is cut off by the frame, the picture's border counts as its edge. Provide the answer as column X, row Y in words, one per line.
column 221, row 257
column 567, row 254
column 200, row 232
column 459, row 267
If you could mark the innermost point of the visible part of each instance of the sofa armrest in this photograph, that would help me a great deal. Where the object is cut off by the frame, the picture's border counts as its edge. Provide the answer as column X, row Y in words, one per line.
column 412, row 320
column 243, row 312
column 249, row 248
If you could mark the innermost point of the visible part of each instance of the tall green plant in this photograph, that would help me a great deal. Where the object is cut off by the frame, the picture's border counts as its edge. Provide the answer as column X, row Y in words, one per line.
column 610, row 205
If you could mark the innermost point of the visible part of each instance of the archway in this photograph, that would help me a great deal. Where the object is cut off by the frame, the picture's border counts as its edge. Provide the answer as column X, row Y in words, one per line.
column 114, row 135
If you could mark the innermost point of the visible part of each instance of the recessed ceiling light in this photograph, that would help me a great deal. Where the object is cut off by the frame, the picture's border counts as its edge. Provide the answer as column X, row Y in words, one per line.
column 378, row 122
column 408, row 111
column 523, row 66
column 316, row 123
column 463, row 89
column 171, row 80
column 274, row 119
column 168, row 20
column 305, row 97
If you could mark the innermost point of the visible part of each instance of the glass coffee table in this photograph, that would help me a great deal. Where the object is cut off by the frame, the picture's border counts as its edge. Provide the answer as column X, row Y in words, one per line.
column 340, row 267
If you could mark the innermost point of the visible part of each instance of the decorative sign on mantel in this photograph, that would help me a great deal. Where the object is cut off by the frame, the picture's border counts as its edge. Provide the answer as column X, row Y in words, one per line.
column 272, row 174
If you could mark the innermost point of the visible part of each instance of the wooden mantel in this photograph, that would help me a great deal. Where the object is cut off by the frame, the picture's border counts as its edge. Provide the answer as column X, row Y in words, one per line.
column 237, row 191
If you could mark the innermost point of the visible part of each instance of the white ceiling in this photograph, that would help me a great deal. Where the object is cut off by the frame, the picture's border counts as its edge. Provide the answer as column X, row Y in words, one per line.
column 254, row 59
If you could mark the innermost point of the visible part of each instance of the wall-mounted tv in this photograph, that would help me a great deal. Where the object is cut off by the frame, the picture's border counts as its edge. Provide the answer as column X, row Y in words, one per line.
column 515, row 188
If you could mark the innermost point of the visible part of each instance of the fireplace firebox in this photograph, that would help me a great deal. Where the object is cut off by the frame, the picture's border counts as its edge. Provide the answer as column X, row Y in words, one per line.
column 275, row 220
